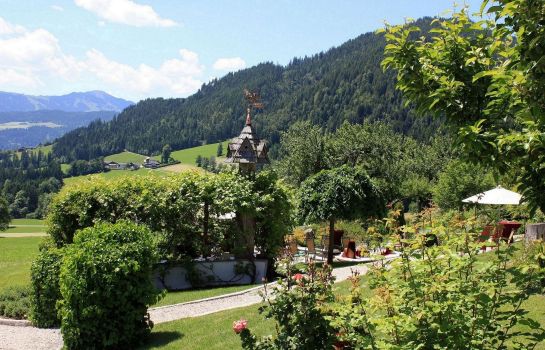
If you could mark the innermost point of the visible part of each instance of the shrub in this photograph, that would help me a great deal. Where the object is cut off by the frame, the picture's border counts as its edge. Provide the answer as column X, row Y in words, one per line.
column 15, row 302
column 106, row 287
column 45, row 286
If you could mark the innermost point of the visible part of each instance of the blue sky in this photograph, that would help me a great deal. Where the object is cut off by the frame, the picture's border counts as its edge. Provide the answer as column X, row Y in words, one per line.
column 141, row 48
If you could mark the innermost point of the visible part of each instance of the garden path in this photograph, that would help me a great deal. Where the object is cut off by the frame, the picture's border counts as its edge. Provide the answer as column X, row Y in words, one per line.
column 23, row 338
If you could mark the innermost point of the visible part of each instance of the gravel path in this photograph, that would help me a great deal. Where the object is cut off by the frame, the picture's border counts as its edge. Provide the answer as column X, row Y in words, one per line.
column 23, row 338
column 229, row 301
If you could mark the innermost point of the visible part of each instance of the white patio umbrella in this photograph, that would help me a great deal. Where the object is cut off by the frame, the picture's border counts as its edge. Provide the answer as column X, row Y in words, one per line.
column 498, row 196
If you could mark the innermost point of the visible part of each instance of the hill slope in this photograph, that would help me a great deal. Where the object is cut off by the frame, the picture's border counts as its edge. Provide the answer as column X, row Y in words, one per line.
column 90, row 101
column 345, row 83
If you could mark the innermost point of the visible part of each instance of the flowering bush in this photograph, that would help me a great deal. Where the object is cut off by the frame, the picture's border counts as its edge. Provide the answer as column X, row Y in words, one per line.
column 300, row 313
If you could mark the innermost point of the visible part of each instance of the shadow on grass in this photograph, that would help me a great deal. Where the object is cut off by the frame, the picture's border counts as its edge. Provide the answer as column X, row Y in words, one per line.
column 161, row 338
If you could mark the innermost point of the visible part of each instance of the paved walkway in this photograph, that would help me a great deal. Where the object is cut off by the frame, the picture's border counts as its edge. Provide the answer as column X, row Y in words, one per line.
column 23, row 338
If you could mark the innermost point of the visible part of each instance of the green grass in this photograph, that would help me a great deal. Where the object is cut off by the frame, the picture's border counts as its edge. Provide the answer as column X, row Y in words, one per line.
column 189, row 155
column 23, row 222
column 26, row 226
column 196, row 294
column 112, row 174
column 16, row 257
column 212, row 332
column 126, row 157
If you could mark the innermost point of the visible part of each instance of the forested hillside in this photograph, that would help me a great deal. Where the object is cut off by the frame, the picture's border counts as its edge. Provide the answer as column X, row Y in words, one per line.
column 344, row 83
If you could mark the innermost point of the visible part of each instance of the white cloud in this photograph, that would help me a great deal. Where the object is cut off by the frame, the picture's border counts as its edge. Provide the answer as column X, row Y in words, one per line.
column 101, row 23
column 26, row 55
column 125, row 12
column 7, row 28
column 14, row 78
column 229, row 64
column 57, row 8
column 32, row 61
column 175, row 77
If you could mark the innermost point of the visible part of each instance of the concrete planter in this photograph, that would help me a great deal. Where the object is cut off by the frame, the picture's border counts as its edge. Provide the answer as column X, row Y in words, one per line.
column 209, row 273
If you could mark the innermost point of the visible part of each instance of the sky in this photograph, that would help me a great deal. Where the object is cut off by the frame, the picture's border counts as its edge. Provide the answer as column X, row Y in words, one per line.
column 137, row 49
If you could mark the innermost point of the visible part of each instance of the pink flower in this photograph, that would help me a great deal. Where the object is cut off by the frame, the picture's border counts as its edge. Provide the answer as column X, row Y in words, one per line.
column 298, row 276
column 239, row 326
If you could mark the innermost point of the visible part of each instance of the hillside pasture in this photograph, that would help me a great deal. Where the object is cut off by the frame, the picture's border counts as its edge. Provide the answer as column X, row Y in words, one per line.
column 189, row 155
column 126, row 157
column 113, row 174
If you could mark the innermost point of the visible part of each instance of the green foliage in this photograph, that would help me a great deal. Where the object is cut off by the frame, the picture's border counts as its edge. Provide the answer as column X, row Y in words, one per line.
column 487, row 84
column 4, row 214
column 341, row 193
column 25, row 177
column 165, row 154
column 298, row 309
column 301, row 152
column 389, row 158
column 106, row 287
column 219, row 151
column 15, row 302
column 173, row 208
column 460, row 180
column 45, row 272
column 443, row 297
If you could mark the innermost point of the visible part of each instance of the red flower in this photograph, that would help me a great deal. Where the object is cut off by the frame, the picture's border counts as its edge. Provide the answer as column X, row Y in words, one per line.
column 239, row 326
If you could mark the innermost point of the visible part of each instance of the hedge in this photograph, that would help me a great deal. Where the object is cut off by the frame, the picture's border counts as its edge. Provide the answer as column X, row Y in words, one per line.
column 106, row 287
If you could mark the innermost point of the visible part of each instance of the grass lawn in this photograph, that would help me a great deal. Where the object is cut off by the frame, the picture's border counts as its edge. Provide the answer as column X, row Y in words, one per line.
column 126, row 157
column 181, row 167
column 26, row 226
column 196, row 294
column 25, row 222
column 16, row 257
column 112, row 174
column 189, row 155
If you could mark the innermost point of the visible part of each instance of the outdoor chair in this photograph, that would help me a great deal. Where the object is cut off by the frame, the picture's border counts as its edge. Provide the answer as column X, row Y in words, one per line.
column 485, row 235
column 293, row 249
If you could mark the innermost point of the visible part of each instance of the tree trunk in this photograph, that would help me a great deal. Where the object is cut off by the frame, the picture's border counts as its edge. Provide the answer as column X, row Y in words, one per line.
column 206, row 250
column 246, row 240
column 331, row 238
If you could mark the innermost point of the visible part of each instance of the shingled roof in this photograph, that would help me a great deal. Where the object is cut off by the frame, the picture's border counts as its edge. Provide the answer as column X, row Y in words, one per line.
column 247, row 148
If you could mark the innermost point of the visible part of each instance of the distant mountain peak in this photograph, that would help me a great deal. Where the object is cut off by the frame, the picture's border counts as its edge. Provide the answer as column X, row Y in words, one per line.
column 89, row 101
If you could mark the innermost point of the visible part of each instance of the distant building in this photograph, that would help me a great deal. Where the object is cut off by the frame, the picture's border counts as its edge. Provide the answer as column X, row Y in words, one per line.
column 151, row 163
column 121, row 166
column 112, row 165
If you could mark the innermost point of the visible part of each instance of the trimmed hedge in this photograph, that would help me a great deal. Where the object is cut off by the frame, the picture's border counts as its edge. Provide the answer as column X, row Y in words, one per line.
column 173, row 208
column 45, row 286
column 106, row 287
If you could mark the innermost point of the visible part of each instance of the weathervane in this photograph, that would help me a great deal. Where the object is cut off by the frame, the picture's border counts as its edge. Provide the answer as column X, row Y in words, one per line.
column 254, row 101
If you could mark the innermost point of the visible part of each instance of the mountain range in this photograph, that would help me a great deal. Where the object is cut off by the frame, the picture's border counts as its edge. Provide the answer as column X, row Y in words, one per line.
column 91, row 101
column 343, row 84
column 26, row 121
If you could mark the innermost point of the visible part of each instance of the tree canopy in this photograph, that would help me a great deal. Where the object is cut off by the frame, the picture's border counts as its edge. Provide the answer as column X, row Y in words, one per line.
column 345, row 192
column 486, row 77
